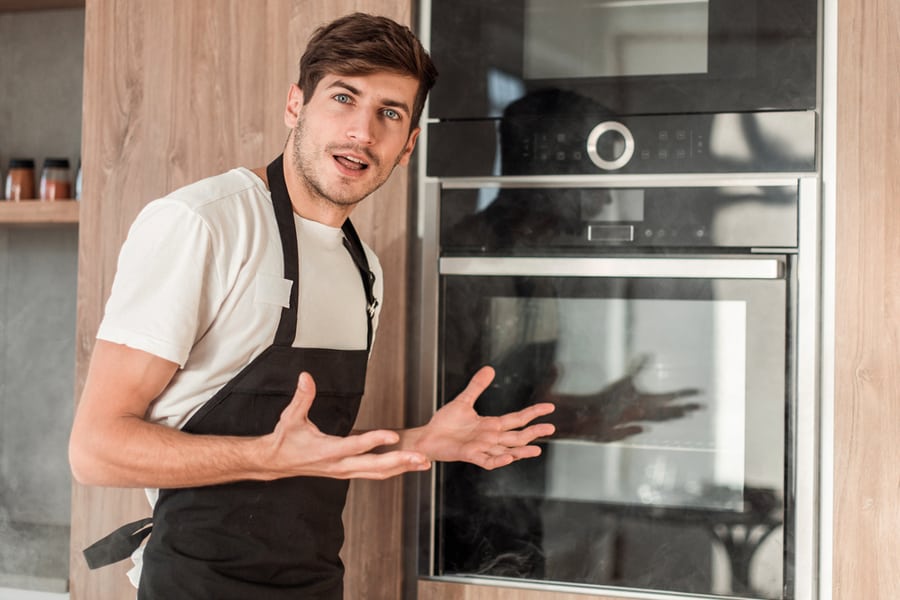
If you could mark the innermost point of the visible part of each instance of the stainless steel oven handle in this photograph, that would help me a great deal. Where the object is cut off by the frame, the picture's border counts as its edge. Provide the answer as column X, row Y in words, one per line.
column 690, row 268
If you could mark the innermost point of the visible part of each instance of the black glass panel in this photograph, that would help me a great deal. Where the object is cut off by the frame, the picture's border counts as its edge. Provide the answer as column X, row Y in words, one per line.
column 667, row 471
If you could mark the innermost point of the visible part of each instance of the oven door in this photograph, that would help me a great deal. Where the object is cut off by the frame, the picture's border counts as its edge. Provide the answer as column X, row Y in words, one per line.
column 673, row 383
column 624, row 56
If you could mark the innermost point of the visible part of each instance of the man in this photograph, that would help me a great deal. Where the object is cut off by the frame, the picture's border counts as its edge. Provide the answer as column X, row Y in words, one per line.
column 232, row 355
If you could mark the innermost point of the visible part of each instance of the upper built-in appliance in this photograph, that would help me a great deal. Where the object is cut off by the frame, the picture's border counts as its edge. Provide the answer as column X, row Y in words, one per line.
column 629, row 57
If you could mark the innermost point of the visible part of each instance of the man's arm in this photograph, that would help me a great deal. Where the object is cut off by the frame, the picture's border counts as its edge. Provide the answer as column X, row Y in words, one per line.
column 112, row 444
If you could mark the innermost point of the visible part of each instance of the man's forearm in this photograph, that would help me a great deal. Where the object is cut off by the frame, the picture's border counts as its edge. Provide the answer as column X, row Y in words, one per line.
column 131, row 452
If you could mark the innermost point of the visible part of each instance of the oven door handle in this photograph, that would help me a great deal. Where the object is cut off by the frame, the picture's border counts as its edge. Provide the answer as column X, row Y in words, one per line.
column 689, row 268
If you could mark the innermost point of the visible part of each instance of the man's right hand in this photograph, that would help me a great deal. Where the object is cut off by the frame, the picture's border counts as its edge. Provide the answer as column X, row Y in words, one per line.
column 298, row 447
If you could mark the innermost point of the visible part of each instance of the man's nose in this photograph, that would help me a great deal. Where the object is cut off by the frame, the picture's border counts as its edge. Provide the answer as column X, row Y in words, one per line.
column 361, row 128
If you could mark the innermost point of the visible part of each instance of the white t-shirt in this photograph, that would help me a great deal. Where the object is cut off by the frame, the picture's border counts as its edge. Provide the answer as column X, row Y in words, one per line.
column 200, row 282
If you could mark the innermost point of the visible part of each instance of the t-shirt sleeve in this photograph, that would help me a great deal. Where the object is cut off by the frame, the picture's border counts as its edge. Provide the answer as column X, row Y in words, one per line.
column 166, row 283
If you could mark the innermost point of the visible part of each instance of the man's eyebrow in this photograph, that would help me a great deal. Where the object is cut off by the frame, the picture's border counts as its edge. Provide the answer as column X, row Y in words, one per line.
column 340, row 83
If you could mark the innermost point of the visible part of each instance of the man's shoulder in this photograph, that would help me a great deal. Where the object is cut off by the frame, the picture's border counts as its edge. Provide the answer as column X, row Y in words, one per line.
column 235, row 187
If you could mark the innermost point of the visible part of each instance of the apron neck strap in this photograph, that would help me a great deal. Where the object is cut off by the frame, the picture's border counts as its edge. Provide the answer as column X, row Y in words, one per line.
column 287, row 230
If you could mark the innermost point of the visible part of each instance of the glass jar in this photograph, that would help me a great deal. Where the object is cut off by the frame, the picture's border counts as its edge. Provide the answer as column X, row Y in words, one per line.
column 55, row 182
column 78, row 181
column 20, row 179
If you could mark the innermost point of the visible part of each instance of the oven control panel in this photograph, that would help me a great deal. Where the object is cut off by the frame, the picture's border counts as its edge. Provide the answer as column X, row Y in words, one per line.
column 707, row 143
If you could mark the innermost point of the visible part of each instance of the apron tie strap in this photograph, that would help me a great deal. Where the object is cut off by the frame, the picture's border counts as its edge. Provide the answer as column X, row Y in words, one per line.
column 118, row 545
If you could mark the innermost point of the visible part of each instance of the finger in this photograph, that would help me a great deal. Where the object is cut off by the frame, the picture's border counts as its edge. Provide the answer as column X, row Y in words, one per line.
column 497, row 461
column 381, row 466
column 638, row 363
column 620, row 433
column 520, row 418
column 364, row 443
column 479, row 382
column 664, row 413
column 523, row 437
column 303, row 398
column 669, row 396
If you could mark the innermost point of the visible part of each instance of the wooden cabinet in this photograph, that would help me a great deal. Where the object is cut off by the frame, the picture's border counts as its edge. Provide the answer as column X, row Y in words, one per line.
column 175, row 91
column 867, row 302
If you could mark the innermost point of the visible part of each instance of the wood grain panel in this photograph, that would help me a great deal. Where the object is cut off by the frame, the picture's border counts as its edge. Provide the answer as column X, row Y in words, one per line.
column 175, row 91
column 867, row 303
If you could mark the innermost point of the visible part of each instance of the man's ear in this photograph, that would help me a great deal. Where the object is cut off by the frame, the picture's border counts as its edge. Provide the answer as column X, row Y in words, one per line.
column 410, row 146
column 293, row 105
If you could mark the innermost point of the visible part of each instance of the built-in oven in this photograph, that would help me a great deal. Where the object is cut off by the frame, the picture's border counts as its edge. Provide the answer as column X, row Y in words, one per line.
column 629, row 57
column 618, row 211
column 669, row 319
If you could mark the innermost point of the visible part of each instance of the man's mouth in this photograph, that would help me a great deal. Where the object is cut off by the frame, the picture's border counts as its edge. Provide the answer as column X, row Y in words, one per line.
column 350, row 162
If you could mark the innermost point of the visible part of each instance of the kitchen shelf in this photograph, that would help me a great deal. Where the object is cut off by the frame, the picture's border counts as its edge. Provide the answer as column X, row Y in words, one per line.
column 18, row 5
column 39, row 212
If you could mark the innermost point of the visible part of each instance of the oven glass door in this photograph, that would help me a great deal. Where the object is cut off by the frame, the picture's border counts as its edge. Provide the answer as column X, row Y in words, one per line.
column 667, row 471
column 626, row 56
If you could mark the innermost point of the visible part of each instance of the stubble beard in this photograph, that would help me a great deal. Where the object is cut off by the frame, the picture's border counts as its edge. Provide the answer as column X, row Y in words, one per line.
column 306, row 171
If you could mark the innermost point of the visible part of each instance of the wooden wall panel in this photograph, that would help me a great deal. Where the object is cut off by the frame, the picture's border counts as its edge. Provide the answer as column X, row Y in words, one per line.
column 175, row 91
column 867, row 303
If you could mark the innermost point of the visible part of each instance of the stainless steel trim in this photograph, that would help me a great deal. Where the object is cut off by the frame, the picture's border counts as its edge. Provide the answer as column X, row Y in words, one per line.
column 428, row 333
column 806, row 438
column 829, row 51
column 594, row 137
column 645, row 3
column 669, row 180
column 694, row 268
column 593, row 591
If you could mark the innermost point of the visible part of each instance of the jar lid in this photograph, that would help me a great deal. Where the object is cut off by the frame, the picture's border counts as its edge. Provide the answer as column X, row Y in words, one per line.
column 21, row 163
column 58, row 163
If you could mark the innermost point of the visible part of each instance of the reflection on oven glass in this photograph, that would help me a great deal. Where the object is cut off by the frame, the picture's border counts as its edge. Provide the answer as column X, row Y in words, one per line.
column 619, row 365
column 651, row 480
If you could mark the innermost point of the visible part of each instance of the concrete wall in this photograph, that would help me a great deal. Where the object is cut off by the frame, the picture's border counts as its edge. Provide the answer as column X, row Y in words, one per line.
column 41, row 57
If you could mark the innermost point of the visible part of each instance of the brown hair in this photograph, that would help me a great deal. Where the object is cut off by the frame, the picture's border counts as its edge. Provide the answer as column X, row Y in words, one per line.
column 360, row 44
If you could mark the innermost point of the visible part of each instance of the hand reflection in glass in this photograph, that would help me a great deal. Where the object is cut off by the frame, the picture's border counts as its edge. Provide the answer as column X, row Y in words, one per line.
column 614, row 413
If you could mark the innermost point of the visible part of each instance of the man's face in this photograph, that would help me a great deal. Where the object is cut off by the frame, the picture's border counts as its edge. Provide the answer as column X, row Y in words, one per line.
column 351, row 134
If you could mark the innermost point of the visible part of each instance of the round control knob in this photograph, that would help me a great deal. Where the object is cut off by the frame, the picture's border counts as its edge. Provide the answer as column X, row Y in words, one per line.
column 610, row 145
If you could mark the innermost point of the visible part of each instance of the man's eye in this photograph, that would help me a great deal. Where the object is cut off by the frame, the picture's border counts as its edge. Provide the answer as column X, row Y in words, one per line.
column 342, row 98
column 390, row 113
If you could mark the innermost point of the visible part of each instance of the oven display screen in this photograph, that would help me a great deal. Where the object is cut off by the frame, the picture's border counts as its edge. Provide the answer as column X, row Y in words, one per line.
column 615, row 38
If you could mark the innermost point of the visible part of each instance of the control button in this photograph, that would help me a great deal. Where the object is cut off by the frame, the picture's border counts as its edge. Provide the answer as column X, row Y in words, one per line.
column 680, row 135
column 610, row 145
column 664, row 136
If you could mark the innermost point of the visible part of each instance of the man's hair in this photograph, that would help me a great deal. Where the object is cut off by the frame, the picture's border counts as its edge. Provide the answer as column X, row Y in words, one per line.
column 361, row 44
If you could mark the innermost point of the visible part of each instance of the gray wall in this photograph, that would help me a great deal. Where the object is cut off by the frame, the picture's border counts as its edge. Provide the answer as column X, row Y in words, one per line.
column 41, row 57
column 41, row 63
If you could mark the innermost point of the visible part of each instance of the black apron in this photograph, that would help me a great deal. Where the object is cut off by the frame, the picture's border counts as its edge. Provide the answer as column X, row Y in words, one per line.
column 250, row 539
